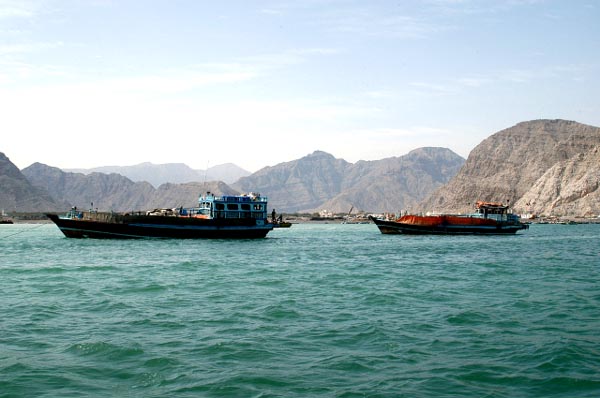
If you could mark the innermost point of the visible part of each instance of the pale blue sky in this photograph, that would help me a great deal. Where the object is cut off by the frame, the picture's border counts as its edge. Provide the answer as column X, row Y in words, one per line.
column 256, row 83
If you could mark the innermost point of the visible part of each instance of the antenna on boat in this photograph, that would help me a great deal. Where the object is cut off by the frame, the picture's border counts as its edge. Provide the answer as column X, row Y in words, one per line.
column 206, row 174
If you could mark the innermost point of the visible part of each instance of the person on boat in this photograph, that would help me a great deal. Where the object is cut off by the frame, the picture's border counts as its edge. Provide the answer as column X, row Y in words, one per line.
column 273, row 215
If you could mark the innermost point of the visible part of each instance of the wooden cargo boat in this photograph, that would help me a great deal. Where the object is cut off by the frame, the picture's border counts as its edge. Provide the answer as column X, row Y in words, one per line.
column 221, row 217
column 489, row 218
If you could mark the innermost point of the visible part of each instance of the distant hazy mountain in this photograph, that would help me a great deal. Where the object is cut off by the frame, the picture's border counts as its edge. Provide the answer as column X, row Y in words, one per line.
column 320, row 181
column 115, row 192
column 18, row 194
column 541, row 166
column 158, row 174
column 105, row 191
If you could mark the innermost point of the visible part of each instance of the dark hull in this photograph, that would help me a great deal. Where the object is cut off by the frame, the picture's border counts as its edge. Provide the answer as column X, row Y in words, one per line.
column 136, row 227
column 394, row 227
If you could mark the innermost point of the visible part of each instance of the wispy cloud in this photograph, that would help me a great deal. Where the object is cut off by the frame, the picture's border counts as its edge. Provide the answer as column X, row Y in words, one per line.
column 437, row 89
column 175, row 81
column 415, row 131
column 19, row 8
column 367, row 23
column 284, row 58
column 379, row 94
column 271, row 11
column 23, row 48
column 547, row 72
column 180, row 79
column 474, row 7
column 499, row 77
column 473, row 81
column 517, row 75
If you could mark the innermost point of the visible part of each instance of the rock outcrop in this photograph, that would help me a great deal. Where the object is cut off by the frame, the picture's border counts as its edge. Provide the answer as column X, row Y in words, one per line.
column 18, row 194
column 569, row 188
column 544, row 162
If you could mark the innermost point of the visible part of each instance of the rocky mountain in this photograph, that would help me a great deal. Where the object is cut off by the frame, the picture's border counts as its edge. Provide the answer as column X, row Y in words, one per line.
column 113, row 191
column 570, row 187
column 397, row 183
column 105, row 191
column 17, row 194
column 547, row 167
column 320, row 181
column 299, row 184
column 541, row 166
column 158, row 174
column 314, row 182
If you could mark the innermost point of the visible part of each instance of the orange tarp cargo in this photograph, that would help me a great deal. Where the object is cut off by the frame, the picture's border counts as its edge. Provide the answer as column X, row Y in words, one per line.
column 444, row 220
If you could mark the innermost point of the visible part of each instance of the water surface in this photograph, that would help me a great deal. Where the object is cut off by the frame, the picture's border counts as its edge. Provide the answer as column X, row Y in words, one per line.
column 312, row 311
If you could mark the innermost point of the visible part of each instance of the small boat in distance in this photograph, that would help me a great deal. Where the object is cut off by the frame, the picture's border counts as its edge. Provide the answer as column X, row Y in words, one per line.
column 489, row 218
column 4, row 218
column 221, row 217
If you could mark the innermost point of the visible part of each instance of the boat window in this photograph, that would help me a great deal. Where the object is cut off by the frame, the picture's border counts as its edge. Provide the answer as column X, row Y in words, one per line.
column 220, row 206
column 232, row 206
column 245, row 206
column 257, row 207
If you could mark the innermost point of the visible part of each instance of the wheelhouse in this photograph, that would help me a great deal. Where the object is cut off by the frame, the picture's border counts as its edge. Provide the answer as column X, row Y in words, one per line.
column 496, row 211
column 251, row 206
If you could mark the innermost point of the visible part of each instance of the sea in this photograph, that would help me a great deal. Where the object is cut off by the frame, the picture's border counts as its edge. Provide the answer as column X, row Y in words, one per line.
column 316, row 310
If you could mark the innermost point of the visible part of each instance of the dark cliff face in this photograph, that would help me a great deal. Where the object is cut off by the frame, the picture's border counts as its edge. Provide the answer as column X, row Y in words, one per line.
column 506, row 165
column 18, row 194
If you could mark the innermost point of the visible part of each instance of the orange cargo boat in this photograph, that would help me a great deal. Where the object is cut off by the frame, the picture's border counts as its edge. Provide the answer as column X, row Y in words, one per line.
column 489, row 218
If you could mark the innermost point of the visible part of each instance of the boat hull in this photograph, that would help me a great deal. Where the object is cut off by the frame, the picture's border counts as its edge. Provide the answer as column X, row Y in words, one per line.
column 138, row 227
column 444, row 226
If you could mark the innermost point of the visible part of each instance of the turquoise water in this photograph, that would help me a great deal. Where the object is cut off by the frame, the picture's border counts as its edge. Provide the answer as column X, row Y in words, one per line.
column 310, row 311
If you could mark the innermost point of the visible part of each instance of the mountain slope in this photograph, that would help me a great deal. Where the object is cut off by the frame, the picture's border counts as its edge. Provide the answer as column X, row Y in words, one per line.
column 505, row 166
column 396, row 183
column 18, row 194
column 320, row 181
column 115, row 192
column 570, row 187
column 105, row 191
column 300, row 184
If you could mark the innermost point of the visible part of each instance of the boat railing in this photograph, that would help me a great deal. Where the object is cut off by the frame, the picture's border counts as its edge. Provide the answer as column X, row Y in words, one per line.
column 91, row 215
column 235, row 198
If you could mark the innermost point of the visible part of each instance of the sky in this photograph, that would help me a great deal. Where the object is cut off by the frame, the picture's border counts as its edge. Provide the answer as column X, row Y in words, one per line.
column 88, row 83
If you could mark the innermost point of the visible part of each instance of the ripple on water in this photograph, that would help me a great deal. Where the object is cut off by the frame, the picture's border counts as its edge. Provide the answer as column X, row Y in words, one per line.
column 102, row 349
